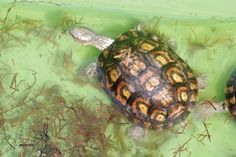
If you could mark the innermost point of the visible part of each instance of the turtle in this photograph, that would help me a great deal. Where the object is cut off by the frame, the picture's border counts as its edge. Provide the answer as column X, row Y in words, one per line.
column 230, row 94
column 144, row 77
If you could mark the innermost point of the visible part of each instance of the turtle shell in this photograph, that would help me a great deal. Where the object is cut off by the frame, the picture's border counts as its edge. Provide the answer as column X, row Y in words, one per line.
column 230, row 94
column 152, row 85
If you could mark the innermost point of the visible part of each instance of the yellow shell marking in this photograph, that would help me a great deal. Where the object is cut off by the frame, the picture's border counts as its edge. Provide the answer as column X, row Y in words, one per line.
column 158, row 115
column 166, row 54
column 160, row 118
column 162, row 60
column 184, row 96
column 147, row 46
column 177, row 78
column 143, row 108
column 114, row 75
column 123, row 37
column 126, row 93
column 123, row 92
column 193, row 86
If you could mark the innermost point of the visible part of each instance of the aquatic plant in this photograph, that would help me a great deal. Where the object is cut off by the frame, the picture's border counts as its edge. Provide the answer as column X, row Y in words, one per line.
column 11, row 30
column 153, row 26
column 40, row 144
column 205, row 134
column 196, row 43
column 181, row 149
column 54, row 120
column 68, row 22
column 179, row 130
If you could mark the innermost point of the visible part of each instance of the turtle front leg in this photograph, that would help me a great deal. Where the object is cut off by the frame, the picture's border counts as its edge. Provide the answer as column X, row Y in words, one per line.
column 207, row 108
column 91, row 70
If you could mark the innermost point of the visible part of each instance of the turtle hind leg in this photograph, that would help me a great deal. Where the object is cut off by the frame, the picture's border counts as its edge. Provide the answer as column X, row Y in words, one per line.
column 137, row 133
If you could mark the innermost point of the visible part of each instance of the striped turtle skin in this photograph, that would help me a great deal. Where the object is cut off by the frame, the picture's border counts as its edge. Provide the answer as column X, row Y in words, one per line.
column 149, row 82
column 230, row 94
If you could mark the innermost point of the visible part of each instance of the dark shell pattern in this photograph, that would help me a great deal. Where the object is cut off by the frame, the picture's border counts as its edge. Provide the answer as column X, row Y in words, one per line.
column 149, row 82
column 230, row 94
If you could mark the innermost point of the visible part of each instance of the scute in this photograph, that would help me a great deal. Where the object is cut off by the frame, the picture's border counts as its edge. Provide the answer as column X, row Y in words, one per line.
column 152, row 85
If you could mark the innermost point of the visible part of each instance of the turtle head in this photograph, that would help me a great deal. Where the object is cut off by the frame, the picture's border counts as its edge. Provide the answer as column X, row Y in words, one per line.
column 88, row 37
column 82, row 35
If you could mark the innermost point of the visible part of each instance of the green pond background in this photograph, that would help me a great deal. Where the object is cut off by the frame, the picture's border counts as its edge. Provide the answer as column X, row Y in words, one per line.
column 41, row 77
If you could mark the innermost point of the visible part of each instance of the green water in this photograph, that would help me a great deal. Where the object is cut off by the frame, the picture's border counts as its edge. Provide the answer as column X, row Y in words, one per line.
column 37, row 58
